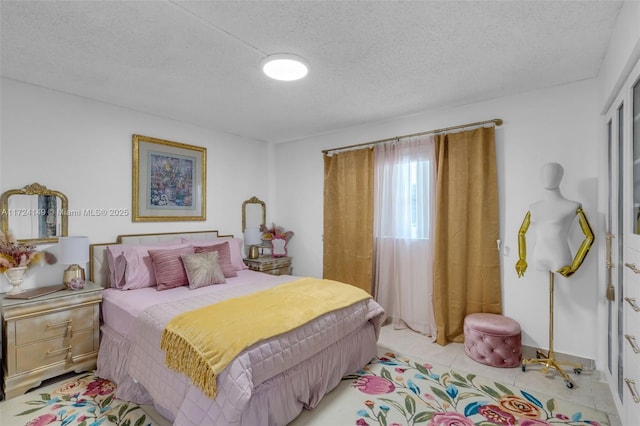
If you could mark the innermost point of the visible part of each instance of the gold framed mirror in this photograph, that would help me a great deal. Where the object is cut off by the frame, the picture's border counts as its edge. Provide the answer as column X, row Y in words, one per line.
column 254, row 213
column 35, row 214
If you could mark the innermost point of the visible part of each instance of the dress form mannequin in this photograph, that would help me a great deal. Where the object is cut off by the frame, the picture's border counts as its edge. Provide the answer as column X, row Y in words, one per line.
column 552, row 218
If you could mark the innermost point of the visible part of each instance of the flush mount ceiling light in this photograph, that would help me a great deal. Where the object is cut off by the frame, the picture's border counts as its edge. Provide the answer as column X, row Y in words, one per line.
column 285, row 66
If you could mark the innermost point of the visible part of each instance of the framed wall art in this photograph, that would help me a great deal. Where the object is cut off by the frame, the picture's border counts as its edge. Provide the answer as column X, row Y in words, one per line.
column 169, row 180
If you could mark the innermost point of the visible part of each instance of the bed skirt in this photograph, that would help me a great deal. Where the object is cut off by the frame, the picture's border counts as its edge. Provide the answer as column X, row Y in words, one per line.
column 276, row 401
column 113, row 364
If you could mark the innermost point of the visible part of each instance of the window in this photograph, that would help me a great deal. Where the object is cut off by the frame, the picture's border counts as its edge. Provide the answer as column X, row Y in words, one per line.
column 413, row 182
column 405, row 191
column 421, row 172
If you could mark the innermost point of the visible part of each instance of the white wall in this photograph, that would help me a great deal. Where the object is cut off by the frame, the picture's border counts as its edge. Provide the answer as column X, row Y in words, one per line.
column 83, row 148
column 558, row 124
column 622, row 53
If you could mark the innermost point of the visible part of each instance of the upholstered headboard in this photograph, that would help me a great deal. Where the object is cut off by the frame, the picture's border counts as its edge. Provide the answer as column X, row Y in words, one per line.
column 98, row 266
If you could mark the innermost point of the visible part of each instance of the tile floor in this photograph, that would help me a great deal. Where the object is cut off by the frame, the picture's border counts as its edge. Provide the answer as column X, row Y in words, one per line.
column 589, row 390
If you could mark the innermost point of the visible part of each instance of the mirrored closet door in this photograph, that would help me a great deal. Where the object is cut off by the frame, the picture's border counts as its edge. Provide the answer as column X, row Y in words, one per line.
column 621, row 289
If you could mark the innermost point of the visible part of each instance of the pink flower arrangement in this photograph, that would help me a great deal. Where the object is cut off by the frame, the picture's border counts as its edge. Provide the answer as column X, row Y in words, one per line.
column 275, row 232
column 14, row 254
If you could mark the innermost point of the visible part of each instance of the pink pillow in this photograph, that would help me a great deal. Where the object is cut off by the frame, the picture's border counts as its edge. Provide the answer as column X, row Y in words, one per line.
column 224, row 257
column 235, row 246
column 168, row 267
column 135, row 262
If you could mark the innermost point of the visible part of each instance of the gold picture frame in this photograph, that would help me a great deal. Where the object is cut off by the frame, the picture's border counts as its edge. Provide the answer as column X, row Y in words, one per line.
column 169, row 180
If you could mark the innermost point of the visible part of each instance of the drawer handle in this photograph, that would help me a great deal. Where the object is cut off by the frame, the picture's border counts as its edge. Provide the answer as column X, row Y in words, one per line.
column 631, row 384
column 59, row 324
column 632, row 342
column 53, row 351
column 69, row 358
column 633, row 267
column 632, row 302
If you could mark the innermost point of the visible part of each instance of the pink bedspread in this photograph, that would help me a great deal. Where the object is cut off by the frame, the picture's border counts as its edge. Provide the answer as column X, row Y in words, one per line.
column 120, row 308
column 342, row 341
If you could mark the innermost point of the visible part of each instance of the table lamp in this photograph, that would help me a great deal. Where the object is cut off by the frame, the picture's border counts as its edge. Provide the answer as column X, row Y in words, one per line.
column 73, row 251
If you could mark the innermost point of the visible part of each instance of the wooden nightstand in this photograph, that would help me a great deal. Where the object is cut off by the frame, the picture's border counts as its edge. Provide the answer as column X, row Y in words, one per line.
column 49, row 335
column 270, row 265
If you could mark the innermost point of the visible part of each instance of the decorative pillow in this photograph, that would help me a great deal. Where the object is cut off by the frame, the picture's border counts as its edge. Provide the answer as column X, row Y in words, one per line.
column 130, row 264
column 235, row 246
column 168, row 267
column 203, row 269
column 224, row 257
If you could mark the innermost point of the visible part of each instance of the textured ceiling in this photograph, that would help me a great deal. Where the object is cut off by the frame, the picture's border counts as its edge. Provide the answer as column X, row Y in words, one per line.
column 197, row 61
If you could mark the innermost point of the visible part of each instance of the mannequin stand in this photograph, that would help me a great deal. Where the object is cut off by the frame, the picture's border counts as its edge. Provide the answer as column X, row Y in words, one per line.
column 548, row 360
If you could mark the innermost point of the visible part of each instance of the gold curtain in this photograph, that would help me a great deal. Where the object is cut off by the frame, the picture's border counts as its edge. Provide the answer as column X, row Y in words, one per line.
column 467, row 263
column 348, row 217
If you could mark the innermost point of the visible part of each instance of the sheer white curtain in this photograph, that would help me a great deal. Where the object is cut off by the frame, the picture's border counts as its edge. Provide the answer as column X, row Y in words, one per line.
column 404, row 208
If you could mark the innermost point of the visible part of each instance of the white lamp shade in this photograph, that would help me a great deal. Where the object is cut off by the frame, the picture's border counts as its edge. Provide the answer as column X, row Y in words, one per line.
column 73, row 250
column 252, row 236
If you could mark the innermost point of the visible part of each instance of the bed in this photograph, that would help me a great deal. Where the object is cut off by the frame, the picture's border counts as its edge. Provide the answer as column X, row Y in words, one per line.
column 268, row 383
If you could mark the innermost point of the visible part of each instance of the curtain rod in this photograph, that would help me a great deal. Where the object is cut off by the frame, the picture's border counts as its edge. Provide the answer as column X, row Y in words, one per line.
column 495, row 121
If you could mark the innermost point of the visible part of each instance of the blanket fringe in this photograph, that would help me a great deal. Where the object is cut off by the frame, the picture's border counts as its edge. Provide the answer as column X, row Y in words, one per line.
column 181, row 357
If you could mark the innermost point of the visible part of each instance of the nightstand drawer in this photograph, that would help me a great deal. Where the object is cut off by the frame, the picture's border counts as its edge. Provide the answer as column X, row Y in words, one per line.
column 42, row 354
column 279, row 271
column 270, row 265
column 53, row 325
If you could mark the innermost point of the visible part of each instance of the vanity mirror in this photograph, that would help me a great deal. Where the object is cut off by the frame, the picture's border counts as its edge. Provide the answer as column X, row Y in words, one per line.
column 254, row 213
column 34, row 214
column 254, row 216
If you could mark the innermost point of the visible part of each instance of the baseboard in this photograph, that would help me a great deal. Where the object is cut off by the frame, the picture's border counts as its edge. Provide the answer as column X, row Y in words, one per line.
column 587, row 364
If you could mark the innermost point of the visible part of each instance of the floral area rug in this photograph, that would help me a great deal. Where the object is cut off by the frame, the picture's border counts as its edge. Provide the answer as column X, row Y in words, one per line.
column 398, row 391
column 84, row 400
column 390, row 391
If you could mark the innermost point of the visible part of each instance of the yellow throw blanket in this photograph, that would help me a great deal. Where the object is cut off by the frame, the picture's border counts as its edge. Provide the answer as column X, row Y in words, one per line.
column 202, row 342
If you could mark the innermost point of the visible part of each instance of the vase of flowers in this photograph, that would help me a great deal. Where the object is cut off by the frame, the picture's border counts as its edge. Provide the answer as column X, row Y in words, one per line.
column 15, row 258
column 15, row 276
